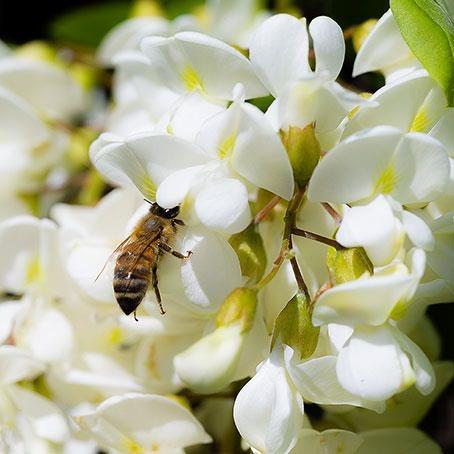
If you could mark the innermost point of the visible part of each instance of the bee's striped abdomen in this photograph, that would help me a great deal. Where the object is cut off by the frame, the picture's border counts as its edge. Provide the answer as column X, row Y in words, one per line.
column 131, row 283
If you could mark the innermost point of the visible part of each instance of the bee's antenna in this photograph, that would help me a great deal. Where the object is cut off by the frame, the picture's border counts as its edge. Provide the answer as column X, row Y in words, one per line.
column 148, row 201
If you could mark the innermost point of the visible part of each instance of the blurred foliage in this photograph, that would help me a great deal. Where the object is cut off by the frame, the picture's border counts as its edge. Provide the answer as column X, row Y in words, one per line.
column 89, row 24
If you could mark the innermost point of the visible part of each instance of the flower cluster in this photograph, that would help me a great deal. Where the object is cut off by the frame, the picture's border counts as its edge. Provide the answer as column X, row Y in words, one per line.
column 320, row 222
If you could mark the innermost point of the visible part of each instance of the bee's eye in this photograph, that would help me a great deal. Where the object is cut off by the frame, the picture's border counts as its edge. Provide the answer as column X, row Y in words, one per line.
column 171, row 212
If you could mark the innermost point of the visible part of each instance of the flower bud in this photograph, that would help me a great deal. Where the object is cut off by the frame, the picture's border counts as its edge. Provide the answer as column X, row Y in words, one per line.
column 361, row 32
column 294, row 327
column 248, row 246
column 39, row 50
column 151, row 8
column 303, row 150
column 210, row 364
column 347, row 264
column 238, row 307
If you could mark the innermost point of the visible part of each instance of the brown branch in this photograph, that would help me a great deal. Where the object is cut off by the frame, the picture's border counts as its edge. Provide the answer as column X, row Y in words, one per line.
column 263, row 213
column 317, row 237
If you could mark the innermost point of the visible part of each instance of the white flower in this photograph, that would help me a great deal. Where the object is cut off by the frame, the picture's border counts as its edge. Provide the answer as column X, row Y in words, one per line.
column 279, row 53
column 191, row 60
column 268, row 412
column 412, row 168
column 232, row 145
column 385, row 50
column 143, row 423
column 54, row 93
column 372, row 299
column 376, row 362
column 44, row 418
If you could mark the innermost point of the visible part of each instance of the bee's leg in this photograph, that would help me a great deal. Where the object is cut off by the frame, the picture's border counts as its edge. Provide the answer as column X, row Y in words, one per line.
column 167, row 248
column 154, row 281
column 178, row 222
column 135, row 317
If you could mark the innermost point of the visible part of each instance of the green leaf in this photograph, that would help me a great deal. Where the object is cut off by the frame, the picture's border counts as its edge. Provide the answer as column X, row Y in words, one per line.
column 428, row 28
column 176, row 8
column 88, row 25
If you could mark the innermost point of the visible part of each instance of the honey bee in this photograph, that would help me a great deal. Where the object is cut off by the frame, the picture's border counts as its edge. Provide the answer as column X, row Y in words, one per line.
column 137, row 257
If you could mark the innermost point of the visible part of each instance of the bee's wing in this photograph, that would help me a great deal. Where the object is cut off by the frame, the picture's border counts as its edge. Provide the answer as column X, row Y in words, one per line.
column 111, row 256
column 135, row 247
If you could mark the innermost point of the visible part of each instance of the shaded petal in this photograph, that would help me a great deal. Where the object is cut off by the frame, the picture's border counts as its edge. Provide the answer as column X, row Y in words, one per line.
column 46, row 418
column 17, row 365
column 223, row 205
column 372, row 365
column 53, row 92
column 383, row 47
column 279, row 52
column 128, row 34
column 158, row 422
column 317, row 382
column 205, row 289
column 266, row 412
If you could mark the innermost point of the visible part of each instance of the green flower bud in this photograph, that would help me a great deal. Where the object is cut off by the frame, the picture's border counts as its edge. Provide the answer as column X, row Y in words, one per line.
column 39, row 50
column 294, row 327
column 141, row 8
column 238, row 307
column 303, row 151
column 248, row 245
column 347, row 264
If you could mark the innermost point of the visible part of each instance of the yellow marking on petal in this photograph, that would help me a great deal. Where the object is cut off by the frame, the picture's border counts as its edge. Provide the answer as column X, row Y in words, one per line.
column 387, row 180
column 151, row 362
column 180, row 400
column 421, row 122
column 191, row 79
column 169, row 129
column 115, row 336
column 132, row 447
column 154, row 447
column 226, row 147
column 34, row 272
column 353, row 112
column 148, row 187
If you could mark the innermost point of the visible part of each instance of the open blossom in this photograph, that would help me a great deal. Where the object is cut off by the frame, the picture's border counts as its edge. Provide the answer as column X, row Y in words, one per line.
column 315, row 228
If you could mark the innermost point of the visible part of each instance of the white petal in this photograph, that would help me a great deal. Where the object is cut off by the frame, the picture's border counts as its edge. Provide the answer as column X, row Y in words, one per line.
column 128, row 34
column 50, row 337
column 8, row 313
column 279, row 51
column 372, row 365
column 422, row 169
column 192, row 61
column 223, row 205
column 209, row 365
column 46, row 418
column 17, row 364
column 244, row 134
column 383, row 47
column 329, row 46
column 369, row 300
column 380, row 109
column 210, row 251
column 424, row 372
column 173, row 190
column 374, row 228
column 316, row 381
column 328, row 441
column 144, row 160
column 418, row 231
column 352, row 167
column 53, row 92
column 399, row 440
column 266, row 412
column 158, row 422
column 444, row 132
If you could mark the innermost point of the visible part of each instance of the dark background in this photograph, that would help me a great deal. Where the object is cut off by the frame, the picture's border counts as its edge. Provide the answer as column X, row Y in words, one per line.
column 25, row 21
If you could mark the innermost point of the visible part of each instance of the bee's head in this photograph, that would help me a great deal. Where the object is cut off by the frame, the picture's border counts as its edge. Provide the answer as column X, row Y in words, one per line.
column 167, row 213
